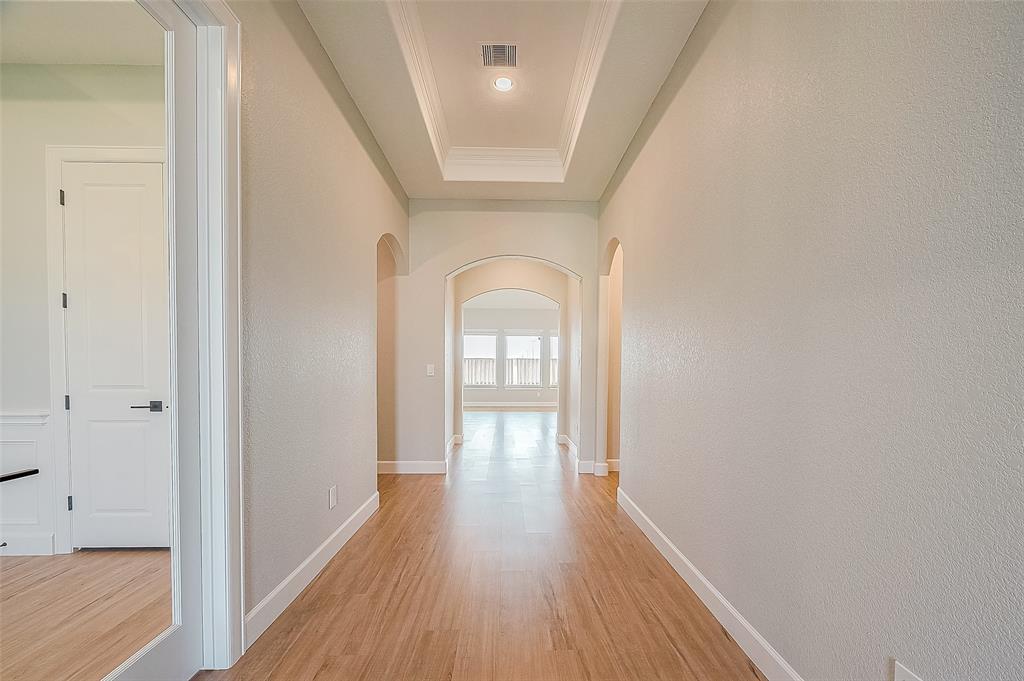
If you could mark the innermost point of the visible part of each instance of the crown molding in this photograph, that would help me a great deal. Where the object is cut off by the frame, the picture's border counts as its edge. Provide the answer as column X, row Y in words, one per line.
column 406, row 20
column 596, row 36
column 498, row 164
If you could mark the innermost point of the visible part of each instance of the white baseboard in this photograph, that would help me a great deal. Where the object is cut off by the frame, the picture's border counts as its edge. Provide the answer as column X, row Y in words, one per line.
column 613, row 464
column 413, row 467
column 504, row 405
column 757, row 648
column 601, row 469
column 574, row 452
column 457, row 438
column 268, row 610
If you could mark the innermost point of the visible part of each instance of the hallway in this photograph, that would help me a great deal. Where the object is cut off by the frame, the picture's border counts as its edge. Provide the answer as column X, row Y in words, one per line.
column 511, row 567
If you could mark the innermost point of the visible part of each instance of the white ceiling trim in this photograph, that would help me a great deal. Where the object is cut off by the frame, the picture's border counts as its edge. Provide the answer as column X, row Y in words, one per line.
column 406, row 20
column 469, row 164
column 596, row 35
column 495, row 164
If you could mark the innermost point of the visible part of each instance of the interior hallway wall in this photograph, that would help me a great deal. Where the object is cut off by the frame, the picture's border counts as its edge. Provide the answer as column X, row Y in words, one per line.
column 822, row 334
column 446, row 235
column 316, row 196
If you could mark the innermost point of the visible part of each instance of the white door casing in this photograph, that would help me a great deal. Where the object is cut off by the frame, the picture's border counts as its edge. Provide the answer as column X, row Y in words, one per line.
column 117, row 339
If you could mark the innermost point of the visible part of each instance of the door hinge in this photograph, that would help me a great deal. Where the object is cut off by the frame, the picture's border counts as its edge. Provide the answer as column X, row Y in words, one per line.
column 71, row 504
column 67, row 402
column 64, row 300
column 62, row 197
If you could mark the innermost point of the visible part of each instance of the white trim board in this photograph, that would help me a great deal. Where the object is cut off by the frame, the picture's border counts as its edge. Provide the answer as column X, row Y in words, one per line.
column 413, row 467
column 521, row 405
column 273, row 604
column 757, row 648
column 574, row 452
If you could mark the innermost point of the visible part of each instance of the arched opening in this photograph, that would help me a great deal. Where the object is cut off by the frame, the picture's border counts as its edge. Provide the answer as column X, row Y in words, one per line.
column 610, row 360
column 388, row 260
column 513, row 335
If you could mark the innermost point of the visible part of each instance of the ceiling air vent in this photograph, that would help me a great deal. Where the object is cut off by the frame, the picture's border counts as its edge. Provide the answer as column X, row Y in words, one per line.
column 499, row 55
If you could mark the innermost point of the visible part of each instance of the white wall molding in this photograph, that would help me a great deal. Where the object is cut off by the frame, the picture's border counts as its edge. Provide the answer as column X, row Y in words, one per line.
column 409, row 31
column 268, row 610
column 27, row 516
column 574, row 452
column 497, row 164
column 601, row 468
column 522, row 405
column 413, row 467
column 29, row 417
column 761, row 653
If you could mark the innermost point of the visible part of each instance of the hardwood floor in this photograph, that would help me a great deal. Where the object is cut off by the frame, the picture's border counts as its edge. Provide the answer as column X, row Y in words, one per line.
column 76, row 617
column 512, row 568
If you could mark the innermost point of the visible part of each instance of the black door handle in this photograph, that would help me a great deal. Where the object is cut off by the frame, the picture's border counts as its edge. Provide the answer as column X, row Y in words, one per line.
column 154, row 405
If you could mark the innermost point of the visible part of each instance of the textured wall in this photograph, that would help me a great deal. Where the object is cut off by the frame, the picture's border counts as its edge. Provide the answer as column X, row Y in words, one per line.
column 316, row 196
column 823, row 239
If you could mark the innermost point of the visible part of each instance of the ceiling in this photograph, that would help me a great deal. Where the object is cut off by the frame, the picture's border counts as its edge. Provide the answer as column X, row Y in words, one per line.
column 586, row 75
column 79, row 32
column 511, row 299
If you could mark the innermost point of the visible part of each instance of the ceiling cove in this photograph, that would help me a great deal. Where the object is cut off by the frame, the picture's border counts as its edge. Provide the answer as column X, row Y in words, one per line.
column 503, row 164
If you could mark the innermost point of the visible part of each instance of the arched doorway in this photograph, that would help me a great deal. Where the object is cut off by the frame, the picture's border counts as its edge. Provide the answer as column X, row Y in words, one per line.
column 389, row 262
column 561, row 340
column 609, row 374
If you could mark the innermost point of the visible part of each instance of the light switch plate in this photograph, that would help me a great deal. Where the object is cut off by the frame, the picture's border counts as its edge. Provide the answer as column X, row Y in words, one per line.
column 430, row 370
column 901, row 673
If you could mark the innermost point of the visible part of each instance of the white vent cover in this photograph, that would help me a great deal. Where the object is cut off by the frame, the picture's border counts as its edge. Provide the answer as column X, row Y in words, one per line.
column 499, row 55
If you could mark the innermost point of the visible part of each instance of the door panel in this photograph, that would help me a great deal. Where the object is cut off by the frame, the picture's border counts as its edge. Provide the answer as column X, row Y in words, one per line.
column 118, row 352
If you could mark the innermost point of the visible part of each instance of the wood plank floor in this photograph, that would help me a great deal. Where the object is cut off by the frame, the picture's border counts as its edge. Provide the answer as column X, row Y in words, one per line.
column 78, row 616
column 510, row 568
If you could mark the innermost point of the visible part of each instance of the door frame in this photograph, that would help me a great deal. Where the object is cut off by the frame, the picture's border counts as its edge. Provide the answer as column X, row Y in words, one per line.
column 204, row 283
column 56, row 156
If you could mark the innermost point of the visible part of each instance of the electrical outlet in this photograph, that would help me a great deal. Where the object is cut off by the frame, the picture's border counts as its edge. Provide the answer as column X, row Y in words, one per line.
column 430, row 370
column 332, row 496
column 901, row 673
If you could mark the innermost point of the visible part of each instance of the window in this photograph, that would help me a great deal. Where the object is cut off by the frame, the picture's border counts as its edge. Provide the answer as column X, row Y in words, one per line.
column 479, row 360
column 522, row 361
column 553, row 368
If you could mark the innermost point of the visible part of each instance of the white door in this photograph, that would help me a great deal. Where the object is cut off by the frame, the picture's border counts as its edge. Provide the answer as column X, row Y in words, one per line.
column 118, row 361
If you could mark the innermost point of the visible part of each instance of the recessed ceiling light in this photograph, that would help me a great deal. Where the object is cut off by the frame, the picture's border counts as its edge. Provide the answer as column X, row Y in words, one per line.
column 503, row 84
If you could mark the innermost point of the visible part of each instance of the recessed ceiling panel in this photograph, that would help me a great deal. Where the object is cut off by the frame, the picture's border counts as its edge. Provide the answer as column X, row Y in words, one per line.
column 585, row 76
column 547, row 38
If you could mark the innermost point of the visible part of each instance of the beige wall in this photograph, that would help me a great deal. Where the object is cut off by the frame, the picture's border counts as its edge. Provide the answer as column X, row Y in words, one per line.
column 316, row 196
column 447, row 235
column 44, row 105
column 822, row 329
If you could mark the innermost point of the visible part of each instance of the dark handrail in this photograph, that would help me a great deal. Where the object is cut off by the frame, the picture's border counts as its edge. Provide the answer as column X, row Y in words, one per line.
column 7, row 477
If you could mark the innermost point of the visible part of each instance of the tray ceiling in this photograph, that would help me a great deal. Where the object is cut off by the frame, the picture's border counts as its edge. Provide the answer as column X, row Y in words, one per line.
column 585, row 76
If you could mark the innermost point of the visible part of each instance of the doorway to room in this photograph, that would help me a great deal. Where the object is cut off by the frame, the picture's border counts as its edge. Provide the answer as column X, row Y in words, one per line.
column 514, row 346
column 510, row 360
